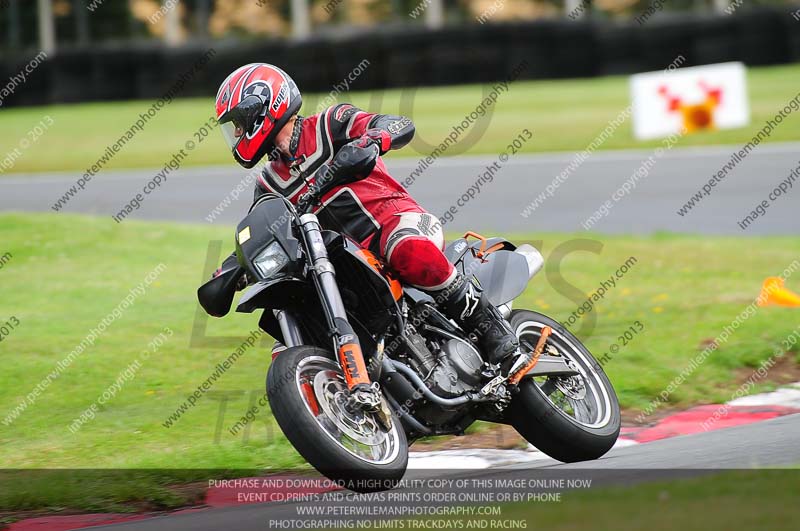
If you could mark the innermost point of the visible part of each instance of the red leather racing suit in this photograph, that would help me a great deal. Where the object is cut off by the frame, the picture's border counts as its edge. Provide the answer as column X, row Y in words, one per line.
column 376, row 211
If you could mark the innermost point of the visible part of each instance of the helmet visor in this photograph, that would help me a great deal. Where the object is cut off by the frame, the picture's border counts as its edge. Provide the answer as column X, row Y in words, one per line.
column 242, row 119
column 229, row 133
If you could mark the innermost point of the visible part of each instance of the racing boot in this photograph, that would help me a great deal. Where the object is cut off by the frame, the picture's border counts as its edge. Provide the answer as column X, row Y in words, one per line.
column 467, row 305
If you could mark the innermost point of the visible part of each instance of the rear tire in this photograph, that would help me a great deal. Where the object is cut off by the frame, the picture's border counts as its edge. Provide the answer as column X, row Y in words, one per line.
column 546, row 426
column 316, row 444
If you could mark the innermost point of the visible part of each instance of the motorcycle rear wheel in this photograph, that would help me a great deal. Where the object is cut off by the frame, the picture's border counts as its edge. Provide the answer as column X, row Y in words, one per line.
column 305, row 390
column 571, row 419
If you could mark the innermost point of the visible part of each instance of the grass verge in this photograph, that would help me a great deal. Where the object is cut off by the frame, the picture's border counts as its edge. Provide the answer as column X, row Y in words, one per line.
column 68, row 272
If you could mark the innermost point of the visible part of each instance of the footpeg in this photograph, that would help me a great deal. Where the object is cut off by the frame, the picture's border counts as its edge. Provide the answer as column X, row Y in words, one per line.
column 493, row 385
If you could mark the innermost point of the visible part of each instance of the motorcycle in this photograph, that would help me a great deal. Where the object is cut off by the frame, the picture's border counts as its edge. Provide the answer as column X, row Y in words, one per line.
column 372, row 365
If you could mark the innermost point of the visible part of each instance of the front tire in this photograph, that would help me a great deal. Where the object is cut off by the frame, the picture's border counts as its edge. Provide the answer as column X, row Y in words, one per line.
column 302, row 386
column 550, row 413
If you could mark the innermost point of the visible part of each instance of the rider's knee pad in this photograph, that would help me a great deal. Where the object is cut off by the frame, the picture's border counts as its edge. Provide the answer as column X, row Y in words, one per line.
column 413, row 249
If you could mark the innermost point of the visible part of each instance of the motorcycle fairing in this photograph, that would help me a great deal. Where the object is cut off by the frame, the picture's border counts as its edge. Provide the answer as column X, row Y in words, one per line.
column 365, row 291
column 272, row 293
column 267, row 222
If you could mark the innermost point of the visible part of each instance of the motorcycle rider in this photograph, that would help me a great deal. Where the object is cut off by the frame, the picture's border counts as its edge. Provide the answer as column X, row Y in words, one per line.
column 257, row 107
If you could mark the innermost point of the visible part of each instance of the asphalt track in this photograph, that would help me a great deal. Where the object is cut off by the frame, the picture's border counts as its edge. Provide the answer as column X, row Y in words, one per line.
column 190, row 195
column 771, row 443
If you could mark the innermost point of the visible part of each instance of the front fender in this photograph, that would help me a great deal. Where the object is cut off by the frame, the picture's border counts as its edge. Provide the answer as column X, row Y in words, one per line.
column 271, row 293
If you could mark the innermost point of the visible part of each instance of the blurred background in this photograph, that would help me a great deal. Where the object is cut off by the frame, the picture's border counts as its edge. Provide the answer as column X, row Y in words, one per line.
column 118, row 49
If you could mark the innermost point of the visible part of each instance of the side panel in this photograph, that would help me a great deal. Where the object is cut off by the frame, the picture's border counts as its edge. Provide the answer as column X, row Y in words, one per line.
column 503, row 277
column 456, row 249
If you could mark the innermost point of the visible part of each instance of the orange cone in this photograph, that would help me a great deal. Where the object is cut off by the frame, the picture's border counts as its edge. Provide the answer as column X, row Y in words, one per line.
column 773, row 293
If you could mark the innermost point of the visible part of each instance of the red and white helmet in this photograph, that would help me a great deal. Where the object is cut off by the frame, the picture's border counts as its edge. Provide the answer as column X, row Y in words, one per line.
column 253, row 104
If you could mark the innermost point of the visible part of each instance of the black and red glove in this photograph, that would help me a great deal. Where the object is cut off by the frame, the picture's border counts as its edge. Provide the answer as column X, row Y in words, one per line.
column 353, row 162
column 378, row 137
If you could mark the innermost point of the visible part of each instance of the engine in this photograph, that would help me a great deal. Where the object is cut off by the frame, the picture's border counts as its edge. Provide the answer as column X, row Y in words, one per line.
column 446, row 363
column 449, row 365
column 458, row 369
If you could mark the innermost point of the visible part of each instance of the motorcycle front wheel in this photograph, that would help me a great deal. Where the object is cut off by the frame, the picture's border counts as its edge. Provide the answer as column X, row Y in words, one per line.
column 307, row 393
column 570, row 418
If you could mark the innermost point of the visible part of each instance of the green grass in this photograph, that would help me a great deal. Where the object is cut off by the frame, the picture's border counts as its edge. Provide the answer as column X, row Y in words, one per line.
column 563, row 115
column 734, row 501
column 67, row 272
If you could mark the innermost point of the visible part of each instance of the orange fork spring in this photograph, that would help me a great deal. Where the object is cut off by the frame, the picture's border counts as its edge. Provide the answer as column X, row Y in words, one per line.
column 537, row 352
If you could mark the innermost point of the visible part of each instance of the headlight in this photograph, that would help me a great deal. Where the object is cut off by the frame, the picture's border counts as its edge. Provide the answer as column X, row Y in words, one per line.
column 271, row 260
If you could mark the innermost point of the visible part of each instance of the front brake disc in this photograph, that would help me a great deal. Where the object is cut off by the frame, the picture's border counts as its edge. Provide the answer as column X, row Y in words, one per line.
column 359, row 427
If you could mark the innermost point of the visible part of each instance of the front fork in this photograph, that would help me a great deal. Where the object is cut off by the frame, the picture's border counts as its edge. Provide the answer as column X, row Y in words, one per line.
column 345, row 340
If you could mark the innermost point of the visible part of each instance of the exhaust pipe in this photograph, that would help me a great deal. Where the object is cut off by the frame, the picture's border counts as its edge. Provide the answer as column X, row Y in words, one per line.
column 412, row 376
column 532, row 256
